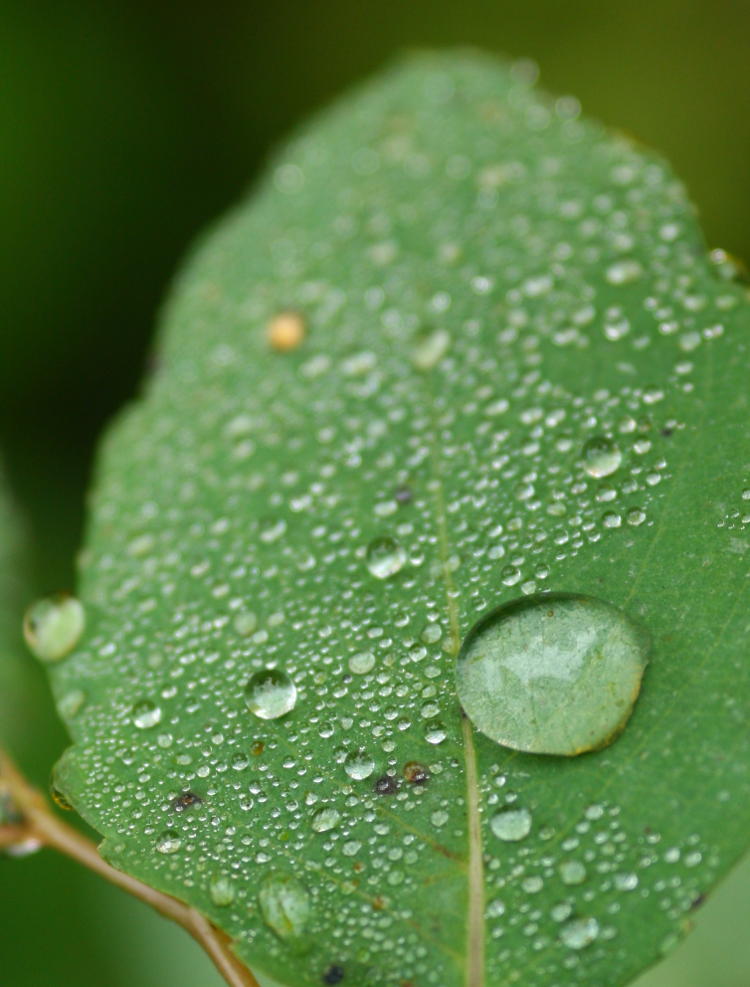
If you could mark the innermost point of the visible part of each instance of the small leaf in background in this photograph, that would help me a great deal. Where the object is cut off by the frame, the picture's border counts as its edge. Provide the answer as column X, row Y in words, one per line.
column 515, row 370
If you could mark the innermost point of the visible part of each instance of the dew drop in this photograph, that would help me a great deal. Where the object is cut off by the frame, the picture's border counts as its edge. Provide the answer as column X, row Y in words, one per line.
column 435, row 733
column 270, row 694
column 429, row 348
column 362, row 663
column 385, row 557
column 556, row 673
column 325, row 819
column 511, row 825
column 71, row 703
column 285, row 906
column 572, row 872
column 624, row 272
column 221, row 891
column 146, row 714
column 53, row 626
column 579, row 932
column 168, row 841
column 359, row 765
column 601, row 457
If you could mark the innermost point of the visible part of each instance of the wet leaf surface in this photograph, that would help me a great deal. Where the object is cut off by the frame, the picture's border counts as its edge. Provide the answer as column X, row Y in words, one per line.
column 459, row 348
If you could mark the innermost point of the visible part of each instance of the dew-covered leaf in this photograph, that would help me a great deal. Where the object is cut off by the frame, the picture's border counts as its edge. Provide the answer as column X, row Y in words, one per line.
column 461, row 347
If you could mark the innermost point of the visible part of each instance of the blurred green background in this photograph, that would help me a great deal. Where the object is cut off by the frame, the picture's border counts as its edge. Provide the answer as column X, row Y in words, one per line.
column 124, row 128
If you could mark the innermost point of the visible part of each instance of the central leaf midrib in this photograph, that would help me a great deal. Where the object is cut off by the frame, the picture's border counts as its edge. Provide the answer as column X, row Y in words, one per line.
column 475, row 937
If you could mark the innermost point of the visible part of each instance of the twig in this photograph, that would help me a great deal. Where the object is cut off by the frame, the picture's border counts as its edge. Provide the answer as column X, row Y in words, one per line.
column 37, row 822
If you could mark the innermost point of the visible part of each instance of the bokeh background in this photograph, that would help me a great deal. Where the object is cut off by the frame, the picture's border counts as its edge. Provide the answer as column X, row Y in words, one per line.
column 127, row 125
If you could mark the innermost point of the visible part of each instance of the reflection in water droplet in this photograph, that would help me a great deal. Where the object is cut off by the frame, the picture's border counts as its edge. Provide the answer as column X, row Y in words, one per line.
column 270, row 694
column 168, row 841
column 221, row 891
column 53, row 626
column 285, row 906
column 552, row 674
column 385, row 557
column 359, row 765
column 601, row 457
column 511, row 825
column 146, row 714
column 579, row 932
column 325, row 819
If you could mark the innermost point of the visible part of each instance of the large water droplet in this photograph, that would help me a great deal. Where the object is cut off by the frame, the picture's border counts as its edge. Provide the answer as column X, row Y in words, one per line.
column 285, row 906
column 270, row 694
column 53, row 626
column 385, row 557
column 601, row 457
column 511, row 825
column 555, row 673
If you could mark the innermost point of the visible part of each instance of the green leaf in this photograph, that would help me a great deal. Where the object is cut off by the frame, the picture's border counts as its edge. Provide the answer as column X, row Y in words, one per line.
column 460, row 347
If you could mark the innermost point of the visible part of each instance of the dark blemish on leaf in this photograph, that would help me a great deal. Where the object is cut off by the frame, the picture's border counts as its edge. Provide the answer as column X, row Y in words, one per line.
column 185, row 801
column 403, row 494
column 257, row 748
column 666, row 432
column 334, row 974
column 697, row 902
column 378, row 904
column 385, row 785
column 416, row 773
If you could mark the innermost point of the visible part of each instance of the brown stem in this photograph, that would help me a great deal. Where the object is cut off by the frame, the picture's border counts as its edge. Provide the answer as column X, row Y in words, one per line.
column 39, row 823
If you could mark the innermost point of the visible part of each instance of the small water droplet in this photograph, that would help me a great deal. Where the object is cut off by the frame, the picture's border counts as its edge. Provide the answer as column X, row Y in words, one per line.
column 245, row 623
column 325, row 819
column 429, row 348
column 71, row 703
column 285, row 906
column 624, row 271
column 601, row 457
column 553, row 674
column 359, row 765
column 270, row 694
column 168, row 841
column 221, row 891
column 146, row 714
column 579, row 932
column 435, row 733
column 362, row 663
column 511, row 825
column 385, row 557
column 572, row 872
column 53, row 626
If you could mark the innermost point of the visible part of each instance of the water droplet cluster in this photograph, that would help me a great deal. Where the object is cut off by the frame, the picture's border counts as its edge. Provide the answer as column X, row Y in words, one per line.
column 290, row 536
